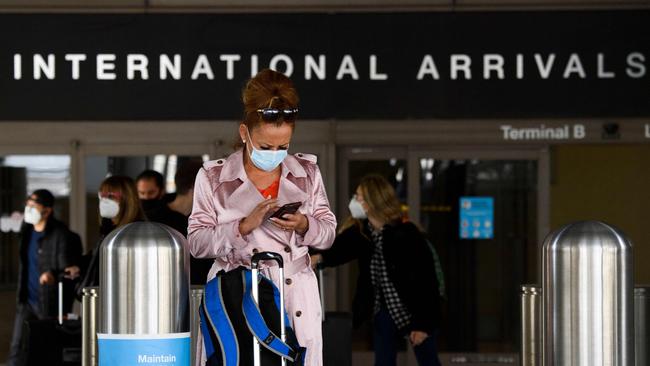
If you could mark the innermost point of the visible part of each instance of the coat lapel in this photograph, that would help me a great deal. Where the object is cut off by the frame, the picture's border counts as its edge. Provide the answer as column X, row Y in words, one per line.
column 244, row 198
column 289, row 192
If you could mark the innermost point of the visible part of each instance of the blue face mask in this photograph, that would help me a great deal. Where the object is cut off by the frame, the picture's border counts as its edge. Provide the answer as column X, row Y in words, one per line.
column 266, row 160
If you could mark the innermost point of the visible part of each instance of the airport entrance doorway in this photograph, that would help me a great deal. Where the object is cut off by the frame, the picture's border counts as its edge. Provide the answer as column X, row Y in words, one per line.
column 480, row 209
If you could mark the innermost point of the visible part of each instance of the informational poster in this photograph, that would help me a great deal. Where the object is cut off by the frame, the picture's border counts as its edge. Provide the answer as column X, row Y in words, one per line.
column 148, row 349
column 476, row 217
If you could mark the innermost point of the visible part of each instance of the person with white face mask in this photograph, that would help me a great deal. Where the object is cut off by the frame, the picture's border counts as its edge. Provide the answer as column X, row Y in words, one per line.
column 234, row 199
column 397, row 283
column 118, row 205
column 47, row 247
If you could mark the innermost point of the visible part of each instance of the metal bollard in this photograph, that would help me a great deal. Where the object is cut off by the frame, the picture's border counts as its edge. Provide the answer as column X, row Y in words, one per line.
column 89, row 323
column 531, row 333
column 196, row 297
column 144, row 297
column 641, row 323
column 587, row 293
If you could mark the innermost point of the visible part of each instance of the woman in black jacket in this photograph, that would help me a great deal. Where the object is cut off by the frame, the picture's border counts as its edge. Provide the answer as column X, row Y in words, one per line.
column 397, row 284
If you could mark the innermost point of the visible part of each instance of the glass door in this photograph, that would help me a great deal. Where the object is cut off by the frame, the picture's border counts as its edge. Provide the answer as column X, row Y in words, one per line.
column 484, row 258
column 357, row 163
column 481, row 216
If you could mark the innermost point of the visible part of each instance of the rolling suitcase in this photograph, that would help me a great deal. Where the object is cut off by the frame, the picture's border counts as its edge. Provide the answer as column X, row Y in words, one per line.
column 53, row 342
column 239, row 304
column 255, row 262
column 337, row 332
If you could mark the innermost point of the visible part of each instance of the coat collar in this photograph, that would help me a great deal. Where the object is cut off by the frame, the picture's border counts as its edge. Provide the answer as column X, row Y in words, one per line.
column 233, row 167
column 246, row 196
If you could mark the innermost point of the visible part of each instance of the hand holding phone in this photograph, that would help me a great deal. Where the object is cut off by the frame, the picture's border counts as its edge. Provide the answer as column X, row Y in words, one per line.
column 289, row 208
column 293, row 222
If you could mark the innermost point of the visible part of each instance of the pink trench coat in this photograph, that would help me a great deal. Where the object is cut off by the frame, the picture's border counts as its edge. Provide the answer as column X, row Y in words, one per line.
column 223, row 195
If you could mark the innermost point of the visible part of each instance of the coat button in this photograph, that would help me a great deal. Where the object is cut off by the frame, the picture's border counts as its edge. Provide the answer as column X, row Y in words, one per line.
column 255, row 251
column 288, row 281
column 287, row 249
column 298, row 313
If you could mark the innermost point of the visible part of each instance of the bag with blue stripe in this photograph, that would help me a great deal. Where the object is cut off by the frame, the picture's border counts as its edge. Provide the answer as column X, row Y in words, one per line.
column 230, row 318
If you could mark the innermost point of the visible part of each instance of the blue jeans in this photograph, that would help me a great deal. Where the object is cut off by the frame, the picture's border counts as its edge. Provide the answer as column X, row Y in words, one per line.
column 386, row 335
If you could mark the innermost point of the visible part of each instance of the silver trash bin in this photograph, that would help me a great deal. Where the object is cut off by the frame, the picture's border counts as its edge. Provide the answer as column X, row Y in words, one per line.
column 531, row 332
column 641, row 323
column 587, row 287
column 144, row 296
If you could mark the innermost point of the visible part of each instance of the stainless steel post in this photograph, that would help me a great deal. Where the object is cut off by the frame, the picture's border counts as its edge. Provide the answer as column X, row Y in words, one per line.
column 89, row 323
column 587, row 296
column 531, row 332
column 195, row 320
column 641, row 325
column 144, row 282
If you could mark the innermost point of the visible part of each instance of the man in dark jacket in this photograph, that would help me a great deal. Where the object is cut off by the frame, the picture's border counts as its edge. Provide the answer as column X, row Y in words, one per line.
column 46, row 248
column 176, row 213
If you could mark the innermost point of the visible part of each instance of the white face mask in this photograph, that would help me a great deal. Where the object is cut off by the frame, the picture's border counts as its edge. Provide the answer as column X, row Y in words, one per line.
column 32, row 215
column 356, row 209
column 108, row 208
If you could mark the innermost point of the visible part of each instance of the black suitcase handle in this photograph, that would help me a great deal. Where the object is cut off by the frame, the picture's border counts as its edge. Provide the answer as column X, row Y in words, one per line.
column 266, row 256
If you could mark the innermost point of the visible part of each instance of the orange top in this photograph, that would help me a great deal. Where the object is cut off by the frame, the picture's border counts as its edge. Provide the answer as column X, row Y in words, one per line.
column 271, row 190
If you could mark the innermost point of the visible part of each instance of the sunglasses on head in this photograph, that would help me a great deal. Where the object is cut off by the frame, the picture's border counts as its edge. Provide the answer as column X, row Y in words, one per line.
column 273, row 114
column 115, row 196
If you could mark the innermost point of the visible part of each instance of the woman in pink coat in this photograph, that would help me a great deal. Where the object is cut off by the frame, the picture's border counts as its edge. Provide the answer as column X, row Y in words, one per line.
column 233, row 199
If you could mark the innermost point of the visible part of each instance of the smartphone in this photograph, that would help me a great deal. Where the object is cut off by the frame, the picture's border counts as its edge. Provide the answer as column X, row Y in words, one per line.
column 289, row 208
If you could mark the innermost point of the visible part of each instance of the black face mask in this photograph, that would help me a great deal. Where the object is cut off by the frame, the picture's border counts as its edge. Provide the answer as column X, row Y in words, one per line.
column 150, row 205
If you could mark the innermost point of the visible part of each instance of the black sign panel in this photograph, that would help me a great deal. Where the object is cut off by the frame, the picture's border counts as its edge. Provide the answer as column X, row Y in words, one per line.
column 346, row 66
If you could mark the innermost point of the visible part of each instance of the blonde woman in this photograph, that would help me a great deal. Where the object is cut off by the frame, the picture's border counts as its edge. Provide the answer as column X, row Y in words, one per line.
column 397, row 286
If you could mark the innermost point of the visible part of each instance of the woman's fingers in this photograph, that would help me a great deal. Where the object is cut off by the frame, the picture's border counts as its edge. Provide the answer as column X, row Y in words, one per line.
column 268, row 204
column 290, row 217
column 284, row 224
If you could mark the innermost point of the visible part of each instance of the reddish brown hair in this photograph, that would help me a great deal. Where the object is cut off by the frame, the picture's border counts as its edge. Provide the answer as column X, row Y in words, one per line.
column 267, row 89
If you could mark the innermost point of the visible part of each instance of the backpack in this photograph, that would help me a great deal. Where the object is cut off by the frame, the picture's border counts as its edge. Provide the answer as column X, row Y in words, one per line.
column 230, row 317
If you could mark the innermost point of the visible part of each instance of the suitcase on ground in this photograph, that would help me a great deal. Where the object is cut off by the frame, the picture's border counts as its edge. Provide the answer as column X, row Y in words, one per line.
column 53, row 342
column 337, row 332
column 255, row 262
column 243, row 320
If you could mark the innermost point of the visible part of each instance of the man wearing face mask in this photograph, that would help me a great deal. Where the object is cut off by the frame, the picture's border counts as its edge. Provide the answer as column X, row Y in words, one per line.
column 46, row 248
column 151, row 192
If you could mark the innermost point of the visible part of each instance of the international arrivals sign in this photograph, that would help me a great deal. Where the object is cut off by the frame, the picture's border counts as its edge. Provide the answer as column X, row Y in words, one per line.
column 346, row 66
